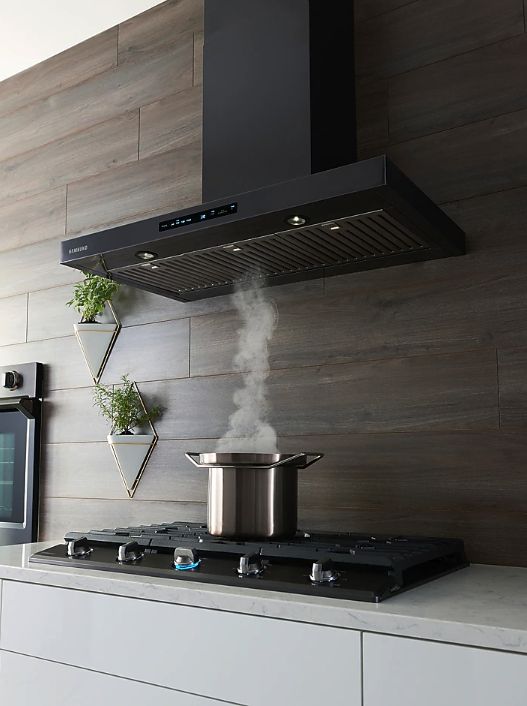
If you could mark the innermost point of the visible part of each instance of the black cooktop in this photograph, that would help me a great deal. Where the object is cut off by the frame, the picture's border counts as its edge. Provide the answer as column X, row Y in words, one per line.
column 337, row 565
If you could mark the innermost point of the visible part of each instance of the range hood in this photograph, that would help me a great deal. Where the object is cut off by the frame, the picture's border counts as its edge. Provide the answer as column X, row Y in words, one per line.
column 285, row 196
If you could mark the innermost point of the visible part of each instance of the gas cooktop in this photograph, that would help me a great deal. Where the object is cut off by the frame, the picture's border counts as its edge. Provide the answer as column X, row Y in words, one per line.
column 336, row 565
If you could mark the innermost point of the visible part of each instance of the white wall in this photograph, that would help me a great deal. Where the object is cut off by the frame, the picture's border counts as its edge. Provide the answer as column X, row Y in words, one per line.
column 34, row 30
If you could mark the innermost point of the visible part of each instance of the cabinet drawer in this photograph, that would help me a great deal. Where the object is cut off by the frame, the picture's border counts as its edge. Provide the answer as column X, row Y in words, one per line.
column 404, row 672
column 26, row 680
column 238, row 658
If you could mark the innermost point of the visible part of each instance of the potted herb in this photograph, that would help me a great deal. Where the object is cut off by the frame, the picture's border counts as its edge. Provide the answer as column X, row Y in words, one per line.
column 124, row 408
column 91, row 297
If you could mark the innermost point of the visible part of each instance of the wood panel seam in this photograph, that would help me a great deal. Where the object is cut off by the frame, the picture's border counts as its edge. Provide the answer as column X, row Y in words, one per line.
column 386, row 12
column 231, row 373
column 76, row 133
column 514, row 432
column 453, row 202
column 117, row 62
column 65, row 221
column 223, row 374
column 64, row 88
column 376, row 74
column 27, row 317
column 350, row 362
column 189, row 345
column 488, row 118
column 139, row 133
column 153, row 59
column 193, row 58
column 59, row 92
column 416, row 69
column 498, row 386
column 483, row 194
column 124, row 499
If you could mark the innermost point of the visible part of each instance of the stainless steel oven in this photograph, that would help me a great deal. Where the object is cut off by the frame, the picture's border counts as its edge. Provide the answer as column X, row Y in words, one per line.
column 20, row 421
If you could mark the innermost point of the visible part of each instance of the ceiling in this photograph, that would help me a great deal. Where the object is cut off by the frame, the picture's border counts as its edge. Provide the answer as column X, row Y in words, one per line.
column 34, row 30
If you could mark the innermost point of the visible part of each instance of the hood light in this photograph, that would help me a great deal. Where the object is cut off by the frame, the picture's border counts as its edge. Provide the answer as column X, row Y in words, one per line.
column 296, row 220
column 145, row 255
column 335, row 227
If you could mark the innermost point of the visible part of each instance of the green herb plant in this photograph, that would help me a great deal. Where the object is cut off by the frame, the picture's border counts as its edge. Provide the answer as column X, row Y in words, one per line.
column 122, row 406
column 91, row 295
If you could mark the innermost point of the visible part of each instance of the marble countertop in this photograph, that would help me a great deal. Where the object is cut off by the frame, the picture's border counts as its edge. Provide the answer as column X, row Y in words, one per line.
column 483, row 606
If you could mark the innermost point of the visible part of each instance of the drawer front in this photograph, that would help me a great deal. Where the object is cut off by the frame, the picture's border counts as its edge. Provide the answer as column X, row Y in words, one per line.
column 238, row 658
column 26, row 680
column 404, row 672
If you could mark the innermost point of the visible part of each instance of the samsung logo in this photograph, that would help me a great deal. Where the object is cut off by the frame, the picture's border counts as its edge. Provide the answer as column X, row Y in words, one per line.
column 80, row 248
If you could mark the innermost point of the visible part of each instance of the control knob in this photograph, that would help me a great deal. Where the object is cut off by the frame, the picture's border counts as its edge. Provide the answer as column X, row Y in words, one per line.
column 185, row 559
column 250, row 565
column 131, row 551
column 79, row 548
column 323, row 572
column 10, row 380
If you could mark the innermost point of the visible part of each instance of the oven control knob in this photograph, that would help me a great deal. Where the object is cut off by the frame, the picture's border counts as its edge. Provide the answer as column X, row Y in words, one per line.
column 250, row 565
column 131, row 551
column 323, row 572
column 185, row 559
column 11, row 380
column 79, row 548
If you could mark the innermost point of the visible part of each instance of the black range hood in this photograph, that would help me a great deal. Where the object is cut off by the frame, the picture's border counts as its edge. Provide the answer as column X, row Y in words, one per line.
column 285, row 196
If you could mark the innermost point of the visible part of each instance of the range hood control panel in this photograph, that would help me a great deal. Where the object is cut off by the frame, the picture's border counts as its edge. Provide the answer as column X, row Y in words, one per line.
column 198, row 217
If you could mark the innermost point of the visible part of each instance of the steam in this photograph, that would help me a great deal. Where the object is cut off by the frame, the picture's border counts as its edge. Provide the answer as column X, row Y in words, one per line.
column 248, row 429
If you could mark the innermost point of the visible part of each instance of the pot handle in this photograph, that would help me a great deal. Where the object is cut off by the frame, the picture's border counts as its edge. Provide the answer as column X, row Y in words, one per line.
column 316, row 457
column 190, row 455
column 284, row 461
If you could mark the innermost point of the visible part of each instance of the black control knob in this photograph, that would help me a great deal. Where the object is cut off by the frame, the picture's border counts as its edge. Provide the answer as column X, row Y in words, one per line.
column 250, row 565
column 79, row 548
column 323, row 571
column 185, row 559
column 131, row 551
column 10, row 380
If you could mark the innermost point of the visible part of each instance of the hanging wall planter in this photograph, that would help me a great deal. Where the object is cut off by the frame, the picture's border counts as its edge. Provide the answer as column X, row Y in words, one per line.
column 91, row 298
column 131, row 453
column 123, row 406
column 96, row 341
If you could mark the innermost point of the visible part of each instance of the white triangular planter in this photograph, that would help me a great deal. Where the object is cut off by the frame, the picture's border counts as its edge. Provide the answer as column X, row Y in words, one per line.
column 96, row 342
column 131, row 453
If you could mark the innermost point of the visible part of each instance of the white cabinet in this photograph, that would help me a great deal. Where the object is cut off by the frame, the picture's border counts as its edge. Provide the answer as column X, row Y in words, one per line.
column 237, row 658
column 26, row 680
column 405, row 672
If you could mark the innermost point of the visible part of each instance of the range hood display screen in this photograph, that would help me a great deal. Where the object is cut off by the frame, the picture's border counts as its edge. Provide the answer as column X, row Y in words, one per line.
column 198, row 217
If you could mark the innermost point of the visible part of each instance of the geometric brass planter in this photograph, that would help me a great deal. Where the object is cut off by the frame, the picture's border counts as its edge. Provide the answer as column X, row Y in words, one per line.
column 132, row 453
column 96, row 342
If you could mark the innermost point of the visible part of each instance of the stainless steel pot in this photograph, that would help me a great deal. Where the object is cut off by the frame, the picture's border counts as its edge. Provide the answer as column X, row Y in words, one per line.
column 252, row 496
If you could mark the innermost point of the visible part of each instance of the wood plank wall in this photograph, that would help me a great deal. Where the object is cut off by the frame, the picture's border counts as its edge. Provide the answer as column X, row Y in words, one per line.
column 412, row 380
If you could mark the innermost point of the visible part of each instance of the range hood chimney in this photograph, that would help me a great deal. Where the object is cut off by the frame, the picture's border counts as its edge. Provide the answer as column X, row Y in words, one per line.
column 283, row 193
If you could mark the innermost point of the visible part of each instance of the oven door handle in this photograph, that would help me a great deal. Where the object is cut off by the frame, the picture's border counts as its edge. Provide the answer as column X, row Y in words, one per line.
column 21, row 404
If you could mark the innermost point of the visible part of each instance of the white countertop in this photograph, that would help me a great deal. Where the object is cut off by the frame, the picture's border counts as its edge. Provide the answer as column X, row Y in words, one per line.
column 484, row 606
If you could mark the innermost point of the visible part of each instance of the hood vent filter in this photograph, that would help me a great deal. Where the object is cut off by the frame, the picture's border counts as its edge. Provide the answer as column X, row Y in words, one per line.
column 361, row 239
